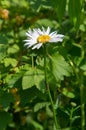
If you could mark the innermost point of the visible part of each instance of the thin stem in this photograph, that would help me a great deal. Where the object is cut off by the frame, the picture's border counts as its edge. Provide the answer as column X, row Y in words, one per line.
column 32, row 61
column 54, row 112
column 48, row 89
column 82, row 105
column 71, row 117
column 45, row 72
column 82, row 76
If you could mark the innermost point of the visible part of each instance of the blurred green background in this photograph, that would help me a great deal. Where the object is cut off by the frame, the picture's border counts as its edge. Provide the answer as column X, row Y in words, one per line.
column 24, row 103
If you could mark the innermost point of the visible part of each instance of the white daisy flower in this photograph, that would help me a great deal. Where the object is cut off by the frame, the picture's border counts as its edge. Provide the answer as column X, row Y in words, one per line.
column 36, row 37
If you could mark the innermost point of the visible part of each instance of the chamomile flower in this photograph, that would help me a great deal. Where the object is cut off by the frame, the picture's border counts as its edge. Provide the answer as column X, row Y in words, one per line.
column 37, row 37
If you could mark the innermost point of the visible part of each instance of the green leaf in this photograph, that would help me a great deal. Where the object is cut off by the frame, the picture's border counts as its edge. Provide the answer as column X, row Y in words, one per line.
column 63, row 118
column 10, row 61
column 46, row 22
column 59, row 6
column 36, row 125
column 5, row 119
column 6, row 98
column 74, row 9
column 3, row 38
column 39, row 106
column 13, row 49
column 2, row 51
column 28, row 79
column 82, row 27
column 75, row 118
column 83, row 67
column 38, row 4
column 59, row 67
column 15, row 78
column 39, row 79
column 28, row 95
column 68, row 93
column 33, row 77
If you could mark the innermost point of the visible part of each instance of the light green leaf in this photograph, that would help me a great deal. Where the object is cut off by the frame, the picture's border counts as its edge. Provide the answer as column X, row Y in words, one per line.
column 28, row 79
column 13, row 49
column 39, row 79
column 10, row 61
column 46, row 22
column 33, row 77
column 83, row 67
column 68, row 93
column 36, row 125
column 59, row 67
column 39, row 106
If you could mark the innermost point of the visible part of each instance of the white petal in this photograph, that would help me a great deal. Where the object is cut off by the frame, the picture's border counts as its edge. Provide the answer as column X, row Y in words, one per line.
column 39, row 31
column 27, row 40
column 53, row 33
column 43, row 29
column 56, row 39
column 60, row 35
column 37, row 46
column 48, row 31
column 29, row 35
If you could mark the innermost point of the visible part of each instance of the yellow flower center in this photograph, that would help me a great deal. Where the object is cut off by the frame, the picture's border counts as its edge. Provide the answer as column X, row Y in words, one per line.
column 43, row 38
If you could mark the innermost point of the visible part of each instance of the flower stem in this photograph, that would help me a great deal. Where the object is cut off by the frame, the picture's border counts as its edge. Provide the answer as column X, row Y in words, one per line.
column 48, row 90
column 32, row 61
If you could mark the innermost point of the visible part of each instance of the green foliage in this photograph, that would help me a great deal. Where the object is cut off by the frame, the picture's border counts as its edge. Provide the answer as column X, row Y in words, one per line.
column 6, row 99
column 60, row 7
column 74, row 9
column 24, row 98
column 59, row 67
column 33, row 77
column 5, row 119
column 39, row 106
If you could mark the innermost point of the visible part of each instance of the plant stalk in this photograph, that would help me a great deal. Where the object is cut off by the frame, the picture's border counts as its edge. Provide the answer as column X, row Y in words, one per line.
column 48, row 90
column 82, row 105
column 82, row 76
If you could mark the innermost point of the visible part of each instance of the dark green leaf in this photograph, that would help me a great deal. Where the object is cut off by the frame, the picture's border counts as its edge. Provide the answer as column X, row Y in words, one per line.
column 5, row 119
column 74, row 8
column 3, row 39
column 14, row 79
column 6, row 98
column 60, row 6
column 28, row 95
column 2, row 51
